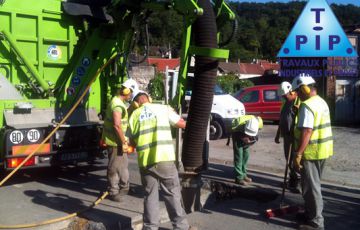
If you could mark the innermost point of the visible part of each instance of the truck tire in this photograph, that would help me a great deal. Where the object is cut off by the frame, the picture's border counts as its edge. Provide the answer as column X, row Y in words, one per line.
column 216, row 130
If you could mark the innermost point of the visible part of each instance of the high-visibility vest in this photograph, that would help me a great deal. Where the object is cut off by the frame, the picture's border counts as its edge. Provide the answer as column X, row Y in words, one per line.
column 320, row 145
column 109, row 134
column 151, row 132
column 238, row 123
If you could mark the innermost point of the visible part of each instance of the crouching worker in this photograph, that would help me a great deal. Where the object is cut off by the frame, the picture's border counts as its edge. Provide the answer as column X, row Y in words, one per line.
column 244, row 133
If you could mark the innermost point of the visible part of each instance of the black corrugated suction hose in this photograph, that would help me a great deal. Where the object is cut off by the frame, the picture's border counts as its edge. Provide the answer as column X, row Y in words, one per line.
column 204, row 33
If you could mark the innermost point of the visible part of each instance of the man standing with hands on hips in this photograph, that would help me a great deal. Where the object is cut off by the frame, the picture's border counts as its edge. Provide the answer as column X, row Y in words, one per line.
column 313, row 145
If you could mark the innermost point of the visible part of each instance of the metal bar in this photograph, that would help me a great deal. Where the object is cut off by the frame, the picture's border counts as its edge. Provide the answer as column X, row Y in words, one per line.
column 209, row 52
column 29, row 66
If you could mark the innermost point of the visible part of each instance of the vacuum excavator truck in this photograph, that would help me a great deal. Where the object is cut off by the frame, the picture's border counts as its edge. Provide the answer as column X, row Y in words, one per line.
column 53, row 51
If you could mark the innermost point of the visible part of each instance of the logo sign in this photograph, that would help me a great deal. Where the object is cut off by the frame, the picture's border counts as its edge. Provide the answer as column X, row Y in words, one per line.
column 33, row 135
column 70, row 91
column 80, row 71
column 54, row 52
column 16, row 137
column 85, row 61
column 76, row 81
column 317, row 33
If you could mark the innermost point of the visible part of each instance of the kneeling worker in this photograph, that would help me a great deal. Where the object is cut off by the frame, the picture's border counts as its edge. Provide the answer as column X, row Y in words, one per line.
column 244, row 133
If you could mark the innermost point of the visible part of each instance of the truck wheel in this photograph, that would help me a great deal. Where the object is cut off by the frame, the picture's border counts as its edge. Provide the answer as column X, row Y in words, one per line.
column 216, row 130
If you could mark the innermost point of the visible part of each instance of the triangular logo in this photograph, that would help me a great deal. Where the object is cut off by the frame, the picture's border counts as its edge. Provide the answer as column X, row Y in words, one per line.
column 317, row 33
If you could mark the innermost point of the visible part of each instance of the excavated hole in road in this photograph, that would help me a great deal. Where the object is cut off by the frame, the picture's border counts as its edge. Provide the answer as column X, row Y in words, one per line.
column 226, row 191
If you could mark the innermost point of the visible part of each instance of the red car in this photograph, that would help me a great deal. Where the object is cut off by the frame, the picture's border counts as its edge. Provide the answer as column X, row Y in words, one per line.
column 261, row 100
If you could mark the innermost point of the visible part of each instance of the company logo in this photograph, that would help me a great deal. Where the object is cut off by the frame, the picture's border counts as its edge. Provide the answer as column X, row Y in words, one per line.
column 54, row 52
column 317, row 33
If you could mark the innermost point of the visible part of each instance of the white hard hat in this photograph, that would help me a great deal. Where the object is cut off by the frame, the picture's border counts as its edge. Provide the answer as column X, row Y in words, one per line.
column 252, row 127
column 131, row 84
column 138, row 92
column 302, row 79
column 285, row 88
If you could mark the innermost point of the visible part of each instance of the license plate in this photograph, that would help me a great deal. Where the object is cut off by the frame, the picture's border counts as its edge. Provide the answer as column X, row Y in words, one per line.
column 73, row 156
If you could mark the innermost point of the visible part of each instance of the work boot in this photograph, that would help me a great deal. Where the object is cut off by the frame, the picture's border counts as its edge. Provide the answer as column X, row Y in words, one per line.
column 116, row 197
column 301, row 217
column 294, row 186
column 310, row 226
column 240, row 182
column 124, row 191
column 247, row 179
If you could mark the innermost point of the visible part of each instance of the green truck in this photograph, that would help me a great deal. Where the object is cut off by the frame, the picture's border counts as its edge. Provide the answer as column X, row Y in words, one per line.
column 50, row 52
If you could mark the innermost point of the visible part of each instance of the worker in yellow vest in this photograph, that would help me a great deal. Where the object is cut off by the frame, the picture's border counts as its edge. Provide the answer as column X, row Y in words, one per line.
column 244, row 133
column 113, row 136
column 150, row 132
column 313, row 145
column 285, row 129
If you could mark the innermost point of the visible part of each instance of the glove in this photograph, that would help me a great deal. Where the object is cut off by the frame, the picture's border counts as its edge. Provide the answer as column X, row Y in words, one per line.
column 297, row 162
column 125, row 147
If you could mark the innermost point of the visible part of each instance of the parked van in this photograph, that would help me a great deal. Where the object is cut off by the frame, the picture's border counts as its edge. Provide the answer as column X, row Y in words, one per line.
column 261, row 100
column 224, row 106
column 224, row 109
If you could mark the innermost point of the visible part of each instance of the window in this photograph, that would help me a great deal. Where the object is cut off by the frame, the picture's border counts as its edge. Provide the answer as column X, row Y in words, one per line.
column 271, row 95
column 252, row 96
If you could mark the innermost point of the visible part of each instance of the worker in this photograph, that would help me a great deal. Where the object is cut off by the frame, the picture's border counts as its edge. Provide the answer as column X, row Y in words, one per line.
column 113, row 136
column 149, row 126
column 244, row 133
column 313, row 145
column 286, row 130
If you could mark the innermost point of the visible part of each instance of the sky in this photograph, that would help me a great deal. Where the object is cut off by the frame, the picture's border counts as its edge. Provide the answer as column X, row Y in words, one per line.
column 354, row 2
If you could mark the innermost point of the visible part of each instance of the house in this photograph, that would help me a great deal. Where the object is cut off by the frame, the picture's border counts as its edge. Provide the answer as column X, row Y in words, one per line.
column 162, row 63
column 249, row 70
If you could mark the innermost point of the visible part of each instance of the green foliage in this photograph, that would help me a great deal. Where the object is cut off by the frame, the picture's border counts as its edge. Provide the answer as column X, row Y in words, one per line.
column 156, row 87
column 165, row 29
column 262, row 27
column 231, row 83
column 227, row 83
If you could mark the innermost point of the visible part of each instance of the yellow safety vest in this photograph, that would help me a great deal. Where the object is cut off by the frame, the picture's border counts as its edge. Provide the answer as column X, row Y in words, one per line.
column 109, row 133
column 151, row 132
column 237, row 124
column 320, row 145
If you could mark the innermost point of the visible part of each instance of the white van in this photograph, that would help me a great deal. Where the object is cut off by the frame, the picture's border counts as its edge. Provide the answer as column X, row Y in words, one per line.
column 224, row 109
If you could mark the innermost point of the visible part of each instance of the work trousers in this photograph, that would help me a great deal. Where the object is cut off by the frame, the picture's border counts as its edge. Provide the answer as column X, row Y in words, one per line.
column 241, row 158
column 311, row 190
column 165, row 175
column 117, row 171
column 288, row 143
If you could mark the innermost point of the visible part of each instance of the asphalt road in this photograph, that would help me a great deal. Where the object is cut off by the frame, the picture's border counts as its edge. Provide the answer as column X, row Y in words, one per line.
column 37, row 195
column 342, row 168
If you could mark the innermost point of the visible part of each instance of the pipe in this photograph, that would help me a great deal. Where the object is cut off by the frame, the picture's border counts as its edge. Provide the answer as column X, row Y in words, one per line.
column 203, row 90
